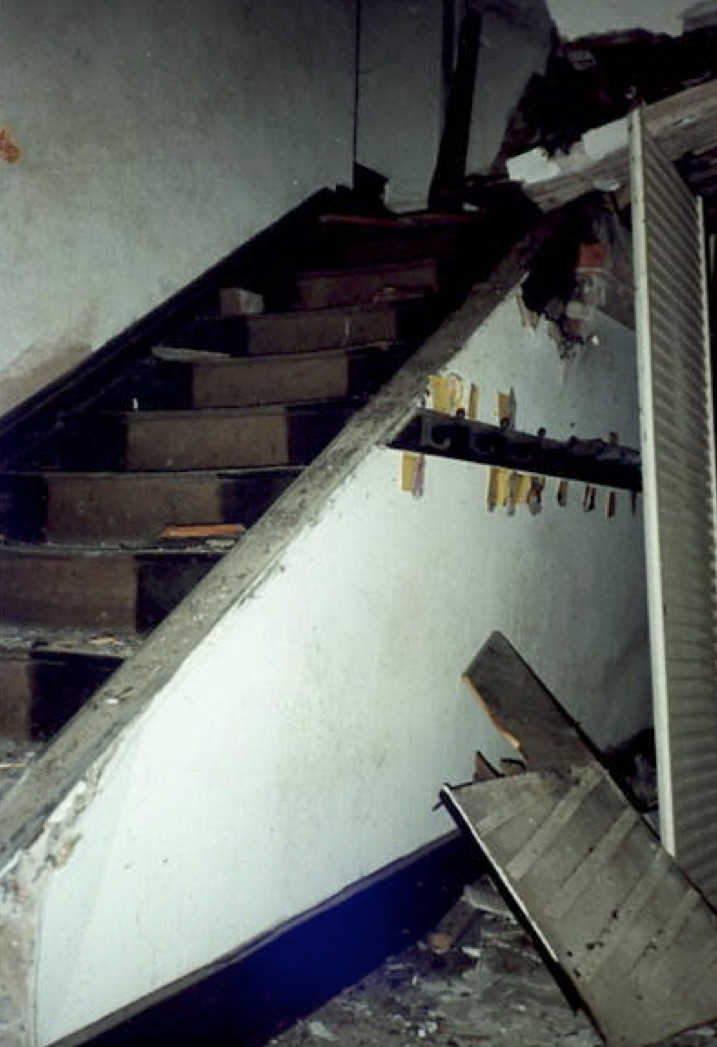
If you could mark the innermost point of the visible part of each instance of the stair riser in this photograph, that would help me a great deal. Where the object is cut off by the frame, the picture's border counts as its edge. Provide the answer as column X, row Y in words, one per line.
column 303, row 332
column 40, row 693
column 98, row 591
column 259, row 441
column 374, row 246
column 253, row 381
column 129, row 508
column 193, row 440
column 23, row 507
column 275, row 380
column 350, row 287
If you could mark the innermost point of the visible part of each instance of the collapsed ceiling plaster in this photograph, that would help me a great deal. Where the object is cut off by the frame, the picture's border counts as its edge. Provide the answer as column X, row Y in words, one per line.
column 596, row 17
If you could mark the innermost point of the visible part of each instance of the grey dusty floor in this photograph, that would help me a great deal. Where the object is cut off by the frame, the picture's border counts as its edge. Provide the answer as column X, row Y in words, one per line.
column 490, row 989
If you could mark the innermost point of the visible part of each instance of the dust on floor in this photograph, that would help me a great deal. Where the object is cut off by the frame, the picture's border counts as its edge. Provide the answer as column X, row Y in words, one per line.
column 490, row 989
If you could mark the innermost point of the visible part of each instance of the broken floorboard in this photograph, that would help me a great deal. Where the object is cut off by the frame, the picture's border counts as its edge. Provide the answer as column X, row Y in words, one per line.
column 608, row 904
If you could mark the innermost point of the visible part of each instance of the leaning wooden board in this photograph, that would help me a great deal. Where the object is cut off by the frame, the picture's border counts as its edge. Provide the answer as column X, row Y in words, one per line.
column 611, row 907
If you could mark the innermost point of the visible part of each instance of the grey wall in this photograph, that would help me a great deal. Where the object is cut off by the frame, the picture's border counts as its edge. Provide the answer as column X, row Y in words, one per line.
column 401, row 93
column 400, row 96
column 515, row 42
column 154, row 138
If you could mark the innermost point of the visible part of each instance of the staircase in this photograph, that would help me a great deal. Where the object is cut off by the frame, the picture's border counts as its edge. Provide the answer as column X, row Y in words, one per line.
column 122, row 502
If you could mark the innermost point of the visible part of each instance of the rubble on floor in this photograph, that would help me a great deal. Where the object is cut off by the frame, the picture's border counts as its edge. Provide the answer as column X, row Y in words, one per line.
column 489, row 989
column 611, row 935
column 614, row 913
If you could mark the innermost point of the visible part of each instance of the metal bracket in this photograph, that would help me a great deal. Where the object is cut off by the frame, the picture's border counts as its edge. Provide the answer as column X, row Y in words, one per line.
column 592, row 461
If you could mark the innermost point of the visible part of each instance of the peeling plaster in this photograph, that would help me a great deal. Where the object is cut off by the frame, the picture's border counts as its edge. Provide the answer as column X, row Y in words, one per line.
column 18, row 936
column 46, row 360
column 9, row 149
column 21, row 885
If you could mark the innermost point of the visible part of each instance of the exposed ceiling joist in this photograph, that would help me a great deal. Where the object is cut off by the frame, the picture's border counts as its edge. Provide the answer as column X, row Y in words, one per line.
column 685, row 125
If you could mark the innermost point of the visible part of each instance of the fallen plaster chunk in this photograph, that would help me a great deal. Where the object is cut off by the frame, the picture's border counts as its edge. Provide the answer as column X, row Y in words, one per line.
column 635, row 939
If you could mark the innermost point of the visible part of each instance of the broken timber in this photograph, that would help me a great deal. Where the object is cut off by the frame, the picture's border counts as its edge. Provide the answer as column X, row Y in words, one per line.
column 593, row 461
column 685, row 125
column 610, row 906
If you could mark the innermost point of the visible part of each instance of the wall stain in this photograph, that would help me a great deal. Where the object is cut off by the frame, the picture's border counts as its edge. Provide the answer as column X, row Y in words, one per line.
column 9, row 149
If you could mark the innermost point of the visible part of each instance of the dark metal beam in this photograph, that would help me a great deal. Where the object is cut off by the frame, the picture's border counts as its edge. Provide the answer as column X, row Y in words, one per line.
column 592, row 461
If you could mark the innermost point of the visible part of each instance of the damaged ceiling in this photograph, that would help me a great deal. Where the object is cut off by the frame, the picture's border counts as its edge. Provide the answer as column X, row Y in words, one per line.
column 685, row 125
column 606, row 59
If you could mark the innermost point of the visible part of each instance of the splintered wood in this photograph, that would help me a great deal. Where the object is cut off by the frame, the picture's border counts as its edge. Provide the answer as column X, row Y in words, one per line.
column 604, row 899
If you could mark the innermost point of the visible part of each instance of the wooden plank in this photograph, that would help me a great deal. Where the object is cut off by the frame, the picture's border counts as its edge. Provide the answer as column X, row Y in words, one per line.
column 203, row 530
column 605, row 900
column 523, row 710
column 592, row 461
column 616, row 914
column 213, row 439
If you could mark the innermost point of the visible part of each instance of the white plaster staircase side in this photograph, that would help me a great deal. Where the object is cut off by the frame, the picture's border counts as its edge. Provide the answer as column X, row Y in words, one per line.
column 87, row 861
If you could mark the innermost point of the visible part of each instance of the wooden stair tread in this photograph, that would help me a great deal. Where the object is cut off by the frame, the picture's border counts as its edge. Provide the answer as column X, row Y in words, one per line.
column 18, row 641
column 380, row 267
column 169, row 476
column 285, row 316
column 422, row 218
column 63, row 550
column 250, row 411
column 202, row 358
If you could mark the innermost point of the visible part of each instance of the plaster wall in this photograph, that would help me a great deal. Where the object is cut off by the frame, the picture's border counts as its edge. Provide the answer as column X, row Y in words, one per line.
column 400, row 101
column 303, row 743
column 153, row 139
column 514, row 44
column 595, row 17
